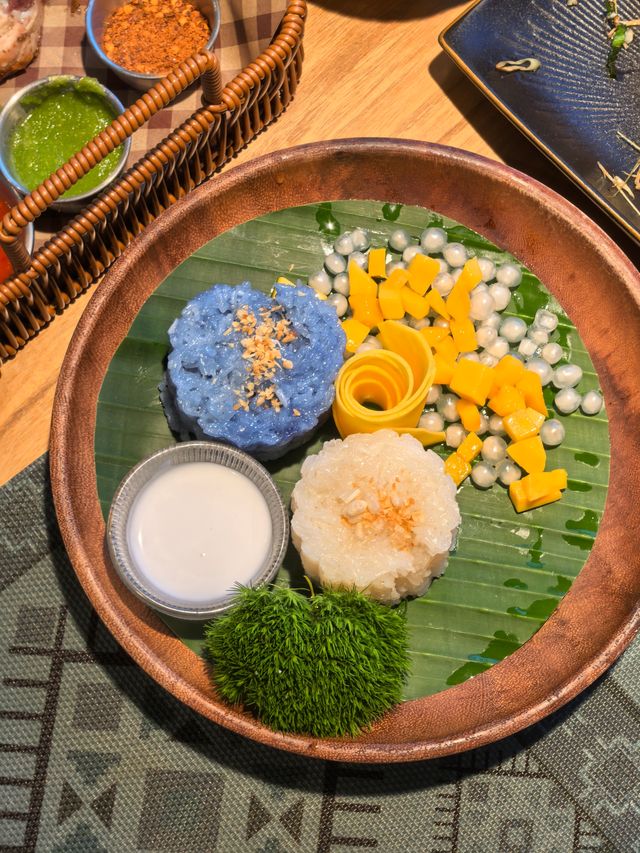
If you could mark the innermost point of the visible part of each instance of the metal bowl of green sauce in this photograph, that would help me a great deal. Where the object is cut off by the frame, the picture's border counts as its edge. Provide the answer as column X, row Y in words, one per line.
column 47, row 122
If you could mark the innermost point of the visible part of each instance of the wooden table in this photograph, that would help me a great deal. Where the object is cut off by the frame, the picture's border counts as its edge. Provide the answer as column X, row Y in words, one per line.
column 372, row 68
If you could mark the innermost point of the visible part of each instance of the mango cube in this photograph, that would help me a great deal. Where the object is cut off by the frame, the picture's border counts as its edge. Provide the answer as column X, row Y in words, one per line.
column 507, row 372
column 464, row 335
column 470, row 447
column 507, row 400
column 433, row 334
column 444, row 369
column 523, row 424
column 458, row 302
column 390, row 300
column 471, row 274
column 469, row 415
column 355, row 331
column 397, row 279
column 457, row 468
column 366, row 309
column 361, row 284
column 378, row 263
column 282, row 279
column 529, row 453
column 531, row 387
column 422, row 271
column 538, row 485
column 414, row 304
column 447, row 348
column 520, row 501
column 438, row 304
column 472, row 380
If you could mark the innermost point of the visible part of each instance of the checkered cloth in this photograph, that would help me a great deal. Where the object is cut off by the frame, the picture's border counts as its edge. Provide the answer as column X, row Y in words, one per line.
column 247, row 27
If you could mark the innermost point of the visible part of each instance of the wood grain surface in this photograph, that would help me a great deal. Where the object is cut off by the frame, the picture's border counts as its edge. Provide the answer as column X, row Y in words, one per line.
column 597, row 617
column 372, row 68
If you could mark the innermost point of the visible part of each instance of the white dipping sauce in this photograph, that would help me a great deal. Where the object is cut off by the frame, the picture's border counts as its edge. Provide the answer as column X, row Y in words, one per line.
column 197, row 529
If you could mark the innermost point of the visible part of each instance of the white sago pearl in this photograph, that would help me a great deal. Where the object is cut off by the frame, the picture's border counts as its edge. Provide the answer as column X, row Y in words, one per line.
column 455, row 254
column 591, row 403
column 482, row 306
column 483, row 475
column 488, row 359
column 454, row 435
column 335, row 263
column 446, row 405
column 546, row 319
column 358, row 258
column 567, row 400
column 360, row 239
column 494, row 449
column 339, row 302
column 433, row 239
column 485, row 335
column 455, row 273
column 567, row 376
column 540, row 366
column 443, row 283
column 501, row 295
column 470, row 356
column 434, row 393
column 419, row 324
column 552, row 432
column 441, row 323
column 484, row 424
column 395, row 265
column 527, row 347
column 341, row 283
column 321, row 282
column 369, row 343
column 479, row 288
column 444, row 266
column 410, row 252
column 433, row 421
column 513, row 329
column 496, row 427
column 509, row 275
column 487, row 269
column 399, row 239
column 493, row 320
column 552, row 353
column 538, row 335
column 508, row 472
column 344, row 244
column 499, row 348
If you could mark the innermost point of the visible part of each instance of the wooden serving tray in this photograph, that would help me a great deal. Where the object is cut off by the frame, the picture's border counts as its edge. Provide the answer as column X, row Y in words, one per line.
column 596, row 285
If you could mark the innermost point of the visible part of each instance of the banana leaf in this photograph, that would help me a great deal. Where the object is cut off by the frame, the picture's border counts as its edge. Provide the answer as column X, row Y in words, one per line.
column 508, row 572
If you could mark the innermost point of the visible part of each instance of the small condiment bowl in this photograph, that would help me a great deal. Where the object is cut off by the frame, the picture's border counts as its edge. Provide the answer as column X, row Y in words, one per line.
column 158, row 463
column 99, row 10
column 15, row 110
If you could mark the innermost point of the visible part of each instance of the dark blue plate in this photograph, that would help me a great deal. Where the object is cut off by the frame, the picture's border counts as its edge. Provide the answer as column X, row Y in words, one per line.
column 570, row 108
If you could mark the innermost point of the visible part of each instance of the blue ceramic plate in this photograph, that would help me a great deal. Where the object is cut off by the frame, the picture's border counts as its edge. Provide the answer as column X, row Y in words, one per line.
column 569, row 107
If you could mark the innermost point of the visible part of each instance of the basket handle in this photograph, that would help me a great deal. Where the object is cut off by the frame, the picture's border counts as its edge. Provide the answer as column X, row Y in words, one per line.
column 203, row 64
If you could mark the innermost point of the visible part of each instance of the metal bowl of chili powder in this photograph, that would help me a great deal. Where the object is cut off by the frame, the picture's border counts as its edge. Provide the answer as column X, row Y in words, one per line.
column 142, row 40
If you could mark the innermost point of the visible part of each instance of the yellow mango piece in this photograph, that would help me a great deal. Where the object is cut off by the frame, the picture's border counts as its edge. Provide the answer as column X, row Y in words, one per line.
column 366, row 310
column 390, row 300
column 414, row 304
column 507, row 400
column 438, row 304
column 524, row 423
column 355, row 331
column 458, row 302
column 520, row 501
column 283, row 280
column 457, row 468
column 444, row 369
column 507, row 372
column 464, row 335
column 471, row 380
column 433, row 334
column 422, row 271
column 409, row 344
column 378, row 263
column 447, row 348
column 424, row 436
column 471, row 274
column 538, row 485
column 361, row 284
column 529, row 453
column 397, row 279
column 470, row 447
column 469, row 415
column 531, row 387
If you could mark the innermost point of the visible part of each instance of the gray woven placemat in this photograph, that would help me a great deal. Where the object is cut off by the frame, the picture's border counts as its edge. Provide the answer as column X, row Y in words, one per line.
column 95, row 756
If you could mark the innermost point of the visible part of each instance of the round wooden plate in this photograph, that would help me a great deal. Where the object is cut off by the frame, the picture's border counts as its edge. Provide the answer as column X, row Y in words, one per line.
column 597, row 286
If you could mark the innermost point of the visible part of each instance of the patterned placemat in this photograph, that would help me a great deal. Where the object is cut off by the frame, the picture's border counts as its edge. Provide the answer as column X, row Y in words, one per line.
column 94, row 756
column 246, row 28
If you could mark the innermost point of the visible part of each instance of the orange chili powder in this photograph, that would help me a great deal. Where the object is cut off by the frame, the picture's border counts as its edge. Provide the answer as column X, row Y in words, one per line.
column 151, row 36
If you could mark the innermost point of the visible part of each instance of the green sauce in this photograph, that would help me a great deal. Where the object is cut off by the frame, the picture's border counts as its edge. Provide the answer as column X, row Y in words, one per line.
column 62, row 117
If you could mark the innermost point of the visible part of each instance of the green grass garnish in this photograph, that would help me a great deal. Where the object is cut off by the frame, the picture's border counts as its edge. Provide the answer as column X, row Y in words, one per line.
column 327, row 666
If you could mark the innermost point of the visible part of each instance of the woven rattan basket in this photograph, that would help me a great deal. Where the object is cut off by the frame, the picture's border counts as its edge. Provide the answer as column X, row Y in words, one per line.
column 76, row 256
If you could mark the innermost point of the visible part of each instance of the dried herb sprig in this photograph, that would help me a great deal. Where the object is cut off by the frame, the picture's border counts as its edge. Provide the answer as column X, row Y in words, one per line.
column 327, row 666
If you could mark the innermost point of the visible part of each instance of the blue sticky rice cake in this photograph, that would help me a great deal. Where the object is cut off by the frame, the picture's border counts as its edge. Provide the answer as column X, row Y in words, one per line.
column 210, row 391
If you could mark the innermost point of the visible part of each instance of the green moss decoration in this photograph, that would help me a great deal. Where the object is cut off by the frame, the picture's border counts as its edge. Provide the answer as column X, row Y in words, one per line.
column 327, row 666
